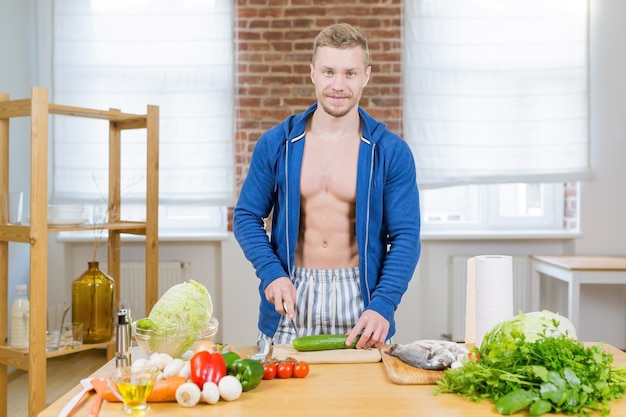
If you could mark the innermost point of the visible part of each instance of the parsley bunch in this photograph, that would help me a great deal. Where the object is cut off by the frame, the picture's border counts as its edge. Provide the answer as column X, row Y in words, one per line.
column 549, row 374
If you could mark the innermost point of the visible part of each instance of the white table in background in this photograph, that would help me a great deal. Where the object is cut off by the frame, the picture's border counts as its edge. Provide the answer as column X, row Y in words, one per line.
column 575, row 270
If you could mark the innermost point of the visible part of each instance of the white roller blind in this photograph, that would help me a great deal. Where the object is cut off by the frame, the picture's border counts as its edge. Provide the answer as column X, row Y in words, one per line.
column 127, row 54
column 497, row 91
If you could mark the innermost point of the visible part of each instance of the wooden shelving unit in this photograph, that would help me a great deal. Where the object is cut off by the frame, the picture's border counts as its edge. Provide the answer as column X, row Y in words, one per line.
column 35, row 234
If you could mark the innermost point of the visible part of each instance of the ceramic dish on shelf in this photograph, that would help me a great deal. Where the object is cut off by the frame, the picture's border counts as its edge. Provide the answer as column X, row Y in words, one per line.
column 66, row 222
column 67, row 212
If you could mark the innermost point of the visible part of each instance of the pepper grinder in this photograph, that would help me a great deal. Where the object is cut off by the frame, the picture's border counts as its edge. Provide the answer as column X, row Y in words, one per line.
column 123, row 339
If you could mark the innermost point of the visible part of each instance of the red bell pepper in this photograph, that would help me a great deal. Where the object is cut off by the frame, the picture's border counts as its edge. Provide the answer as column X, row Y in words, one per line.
column 207, row 367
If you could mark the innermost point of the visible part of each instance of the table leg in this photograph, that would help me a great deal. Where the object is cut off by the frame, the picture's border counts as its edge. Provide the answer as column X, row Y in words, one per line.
column 573, row 300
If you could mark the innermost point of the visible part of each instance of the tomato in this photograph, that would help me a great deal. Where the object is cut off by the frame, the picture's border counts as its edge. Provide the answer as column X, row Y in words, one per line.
column 473, row 356
column 290, row 360
column 300, row 369
column 270, row 370
column 284, row 370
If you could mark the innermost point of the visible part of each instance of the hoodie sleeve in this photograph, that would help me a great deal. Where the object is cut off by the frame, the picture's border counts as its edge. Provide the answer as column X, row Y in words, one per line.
column 401, row 217
column 255, row 203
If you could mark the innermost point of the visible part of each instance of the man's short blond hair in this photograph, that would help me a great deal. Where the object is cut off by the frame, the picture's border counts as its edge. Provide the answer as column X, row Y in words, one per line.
column 342, row 36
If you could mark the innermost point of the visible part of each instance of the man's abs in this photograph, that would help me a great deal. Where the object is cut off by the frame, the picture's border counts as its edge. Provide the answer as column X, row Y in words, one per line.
column 326, row 239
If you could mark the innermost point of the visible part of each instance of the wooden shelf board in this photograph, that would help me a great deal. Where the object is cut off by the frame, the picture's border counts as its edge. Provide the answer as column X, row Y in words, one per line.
column 11, row 233
column 19, row 358
column 84, row 347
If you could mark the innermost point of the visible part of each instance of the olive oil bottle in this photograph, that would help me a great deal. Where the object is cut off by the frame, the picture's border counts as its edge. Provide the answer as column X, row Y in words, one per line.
column 92, row 304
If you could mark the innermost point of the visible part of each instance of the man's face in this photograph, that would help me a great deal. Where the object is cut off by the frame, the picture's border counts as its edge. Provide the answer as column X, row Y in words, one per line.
column 339, row 76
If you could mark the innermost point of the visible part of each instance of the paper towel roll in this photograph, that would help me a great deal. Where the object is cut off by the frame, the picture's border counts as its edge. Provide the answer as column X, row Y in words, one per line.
column 489, row 295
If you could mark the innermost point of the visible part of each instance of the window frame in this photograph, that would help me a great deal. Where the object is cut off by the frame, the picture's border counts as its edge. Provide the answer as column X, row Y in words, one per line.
column 490, row 219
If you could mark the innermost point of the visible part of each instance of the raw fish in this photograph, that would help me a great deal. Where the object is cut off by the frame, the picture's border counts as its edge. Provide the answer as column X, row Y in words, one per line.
column 433, row 355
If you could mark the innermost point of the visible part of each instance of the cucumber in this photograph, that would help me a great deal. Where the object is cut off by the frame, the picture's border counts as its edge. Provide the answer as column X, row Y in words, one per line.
column 322, row 342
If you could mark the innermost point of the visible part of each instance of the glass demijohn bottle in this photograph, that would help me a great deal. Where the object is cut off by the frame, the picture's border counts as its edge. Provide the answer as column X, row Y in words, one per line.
column 92, row 304
column 20, row 318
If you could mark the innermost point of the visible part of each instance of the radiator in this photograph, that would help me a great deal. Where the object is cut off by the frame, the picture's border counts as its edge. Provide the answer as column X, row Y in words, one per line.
column 457, row 272
column 133, row 279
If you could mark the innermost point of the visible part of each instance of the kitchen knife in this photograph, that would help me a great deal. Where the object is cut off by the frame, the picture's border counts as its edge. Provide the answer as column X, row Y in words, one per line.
column 293, row 323
column 263, row 343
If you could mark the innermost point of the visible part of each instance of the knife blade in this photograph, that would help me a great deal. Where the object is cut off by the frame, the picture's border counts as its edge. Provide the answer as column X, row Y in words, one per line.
column 292, row 321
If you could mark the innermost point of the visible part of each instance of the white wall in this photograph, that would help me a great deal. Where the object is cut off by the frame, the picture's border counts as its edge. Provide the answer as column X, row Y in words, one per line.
column 423, row 312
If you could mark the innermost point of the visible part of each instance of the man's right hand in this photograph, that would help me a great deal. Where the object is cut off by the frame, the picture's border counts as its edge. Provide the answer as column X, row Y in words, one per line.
column 282, row 293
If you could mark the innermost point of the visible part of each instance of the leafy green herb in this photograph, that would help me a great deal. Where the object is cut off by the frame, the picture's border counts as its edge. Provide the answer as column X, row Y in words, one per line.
column 550, row 374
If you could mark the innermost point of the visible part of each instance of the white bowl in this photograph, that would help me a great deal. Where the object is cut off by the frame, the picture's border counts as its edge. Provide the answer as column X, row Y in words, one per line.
column 58, row 212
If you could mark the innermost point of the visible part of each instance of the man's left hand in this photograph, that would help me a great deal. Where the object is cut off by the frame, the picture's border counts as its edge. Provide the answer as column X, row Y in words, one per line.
column 373, row 328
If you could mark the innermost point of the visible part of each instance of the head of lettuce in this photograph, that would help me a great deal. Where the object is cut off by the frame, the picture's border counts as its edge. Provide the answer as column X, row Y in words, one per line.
column 185, row 310
column 529, row 327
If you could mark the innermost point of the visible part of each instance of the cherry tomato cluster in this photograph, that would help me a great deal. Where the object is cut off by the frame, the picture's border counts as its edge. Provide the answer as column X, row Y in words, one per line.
column 286, row 368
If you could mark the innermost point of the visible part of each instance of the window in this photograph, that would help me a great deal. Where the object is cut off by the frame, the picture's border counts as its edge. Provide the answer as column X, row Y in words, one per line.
column 126, row 55
column 496, row 109
column 494, row 207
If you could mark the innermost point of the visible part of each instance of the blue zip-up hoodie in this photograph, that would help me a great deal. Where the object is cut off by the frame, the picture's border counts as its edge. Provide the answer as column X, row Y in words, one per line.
column 387, row 213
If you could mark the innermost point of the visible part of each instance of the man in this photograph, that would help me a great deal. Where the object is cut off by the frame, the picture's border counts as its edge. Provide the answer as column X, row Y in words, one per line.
column 345, row 209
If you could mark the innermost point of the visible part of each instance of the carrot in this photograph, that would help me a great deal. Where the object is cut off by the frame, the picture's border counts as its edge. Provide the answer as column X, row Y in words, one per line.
column 163, row 390
column 101, row 387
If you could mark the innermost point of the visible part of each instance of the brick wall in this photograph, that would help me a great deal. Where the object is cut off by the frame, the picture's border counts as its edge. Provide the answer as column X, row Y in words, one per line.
column 274, row 44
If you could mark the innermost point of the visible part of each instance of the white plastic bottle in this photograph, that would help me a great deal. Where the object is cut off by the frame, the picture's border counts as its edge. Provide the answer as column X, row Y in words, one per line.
column 20, row 317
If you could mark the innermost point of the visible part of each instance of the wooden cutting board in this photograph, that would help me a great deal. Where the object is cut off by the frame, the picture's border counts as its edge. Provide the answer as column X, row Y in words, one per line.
column 327, row 356
column 403, row 374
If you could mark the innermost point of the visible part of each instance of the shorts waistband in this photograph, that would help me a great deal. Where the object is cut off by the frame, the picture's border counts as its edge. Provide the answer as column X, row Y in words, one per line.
column 337, row 273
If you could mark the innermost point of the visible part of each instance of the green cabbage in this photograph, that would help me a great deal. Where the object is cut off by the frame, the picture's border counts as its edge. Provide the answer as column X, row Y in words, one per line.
column 185, row 308
column 531, row 326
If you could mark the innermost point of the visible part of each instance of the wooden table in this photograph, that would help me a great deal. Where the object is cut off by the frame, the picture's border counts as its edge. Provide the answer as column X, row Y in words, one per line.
column 329, row 390
column 575, row 271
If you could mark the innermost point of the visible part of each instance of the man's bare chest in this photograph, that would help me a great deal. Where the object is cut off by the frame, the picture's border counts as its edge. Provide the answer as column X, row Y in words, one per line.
column 330, row 167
